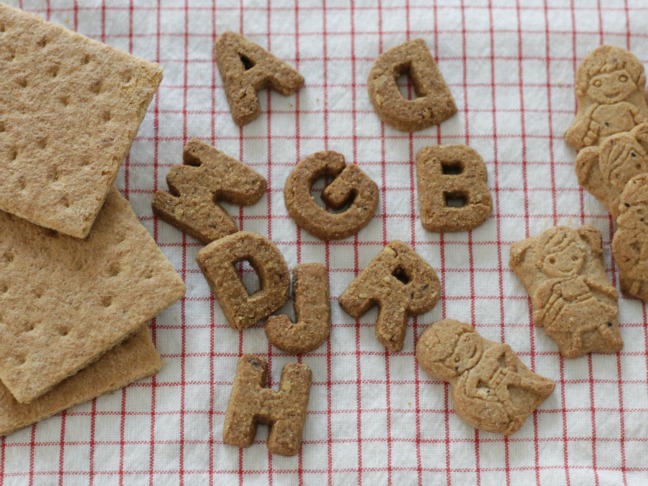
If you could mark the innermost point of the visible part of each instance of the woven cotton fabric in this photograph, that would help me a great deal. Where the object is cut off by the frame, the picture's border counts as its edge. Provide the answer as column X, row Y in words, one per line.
column 374, row 417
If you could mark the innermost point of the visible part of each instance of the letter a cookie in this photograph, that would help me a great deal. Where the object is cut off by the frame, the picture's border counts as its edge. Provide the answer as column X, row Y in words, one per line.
column 251, row 403
column 434, row 103
column 610, row 88
column 206, row 177
column 452, row 190
column 247, row 68
column 492, row 389
column 571, row 295
column 401, row 283
column 630, row 243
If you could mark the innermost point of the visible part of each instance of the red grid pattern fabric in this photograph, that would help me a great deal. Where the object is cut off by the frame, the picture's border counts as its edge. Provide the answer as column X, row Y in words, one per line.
column 374, row 417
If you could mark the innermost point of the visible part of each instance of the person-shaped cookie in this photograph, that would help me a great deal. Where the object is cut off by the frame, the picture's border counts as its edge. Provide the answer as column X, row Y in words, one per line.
column 630, row 243
column 604, row 170
column 571, row 295
column 492, row 389
column 610, row 88
column 401, row 283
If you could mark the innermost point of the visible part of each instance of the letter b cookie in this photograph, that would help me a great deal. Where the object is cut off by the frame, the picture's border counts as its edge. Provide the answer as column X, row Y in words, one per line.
column 452, row 190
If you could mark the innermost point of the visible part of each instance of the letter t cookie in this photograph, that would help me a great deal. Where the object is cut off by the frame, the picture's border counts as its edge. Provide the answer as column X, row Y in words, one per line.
column 452, row 190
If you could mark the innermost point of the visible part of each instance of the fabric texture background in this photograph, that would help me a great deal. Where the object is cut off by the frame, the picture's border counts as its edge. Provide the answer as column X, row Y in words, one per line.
column 374, row 417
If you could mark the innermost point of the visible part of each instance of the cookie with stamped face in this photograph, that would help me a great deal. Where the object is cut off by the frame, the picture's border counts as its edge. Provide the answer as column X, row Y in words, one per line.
column 610, row 89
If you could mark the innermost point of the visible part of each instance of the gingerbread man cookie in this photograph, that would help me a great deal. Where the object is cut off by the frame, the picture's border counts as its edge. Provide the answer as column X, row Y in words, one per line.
column 492, row 389
column 630, row 243
column 572, row 297
column 604, row 170
column 610, row 87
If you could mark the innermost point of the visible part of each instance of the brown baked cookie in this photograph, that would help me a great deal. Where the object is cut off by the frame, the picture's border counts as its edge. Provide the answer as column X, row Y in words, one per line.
column 217, row 262
column 610, row 88
column 452, row 190
column 251, row 403
column 206, row 177
column 572, row 297
column 604, row 170
column 351, row 187
column 312, row 312
column 630, row 243
column 247, row 68
column 401, row 283
column 492, row 389
column 434, row 102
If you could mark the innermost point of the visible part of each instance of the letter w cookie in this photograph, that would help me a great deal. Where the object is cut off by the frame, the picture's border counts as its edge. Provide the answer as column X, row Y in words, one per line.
column 452, row 190
column 206, row 177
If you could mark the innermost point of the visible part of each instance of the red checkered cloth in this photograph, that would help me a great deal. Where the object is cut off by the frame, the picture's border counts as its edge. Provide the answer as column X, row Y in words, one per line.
column 374, row 417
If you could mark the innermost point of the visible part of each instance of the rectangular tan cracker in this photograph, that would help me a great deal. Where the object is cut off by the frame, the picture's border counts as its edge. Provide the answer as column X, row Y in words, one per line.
column 65, row 301
column 70, row 108
column 131, row 360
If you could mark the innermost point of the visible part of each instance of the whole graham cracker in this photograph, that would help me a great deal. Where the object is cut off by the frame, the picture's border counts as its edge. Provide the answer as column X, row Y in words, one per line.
column 131, row 360
column 71, row 107
column 64, row 301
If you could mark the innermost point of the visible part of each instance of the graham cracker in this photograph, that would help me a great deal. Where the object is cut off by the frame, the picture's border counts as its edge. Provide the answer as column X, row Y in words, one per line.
column 71, row 107
column 64, row 301
column 131, row 360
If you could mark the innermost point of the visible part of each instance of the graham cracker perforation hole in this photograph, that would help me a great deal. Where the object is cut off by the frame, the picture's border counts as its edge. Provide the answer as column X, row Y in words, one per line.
column 2, row 127
column 54, row 174
column 114, row 269
column 38, row 293
column 85, row 59
column 4, row 288
column 42, row 142
column 12, row 154
column 65, row 201
column 42, row 42
column 127, row 76
column 65, row 100
column 53, row 71
column 106, row 116
column 22, row 82
column 96, row 86
column 106, row 301
column 22, row 182
column 63, row 331
column 3, row 27
column 8, row 257
column 21, row 360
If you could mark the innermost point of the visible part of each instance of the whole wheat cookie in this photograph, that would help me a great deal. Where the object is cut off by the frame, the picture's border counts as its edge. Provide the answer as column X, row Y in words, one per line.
column 630, row 243
column 604, row 170
column 452, row 188
column 247, row 68
column 610, row 88
column 206, row 177
column 312, row 312
column 492, row 389
column 217, row 262
column 251, row 403
column 401, row 283
column 434, row 102
column 571, row 295
column 351, row 187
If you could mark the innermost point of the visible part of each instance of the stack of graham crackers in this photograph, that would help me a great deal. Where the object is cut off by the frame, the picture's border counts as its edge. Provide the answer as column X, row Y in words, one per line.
column 80, row 277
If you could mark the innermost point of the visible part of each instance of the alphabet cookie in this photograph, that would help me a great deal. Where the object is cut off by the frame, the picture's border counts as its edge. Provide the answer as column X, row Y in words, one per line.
column 452, row 190
column 604, row 170
column 610, row 88
column 351, row 187
column 217, row 262
column 251, row 403
column 247, row 68
column 312, row 312
column 571, row 295
column 630, row 243
column 207, row 176
column 492, row 389
column 434, row 103
column 401, row 283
